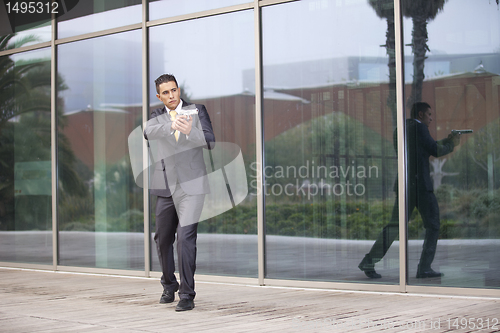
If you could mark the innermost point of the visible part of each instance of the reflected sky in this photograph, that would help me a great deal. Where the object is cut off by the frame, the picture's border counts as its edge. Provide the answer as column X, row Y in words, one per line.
column 207, row 56
column 463, row 27
column 100, row 21
column 169, row 8
column 101, row 70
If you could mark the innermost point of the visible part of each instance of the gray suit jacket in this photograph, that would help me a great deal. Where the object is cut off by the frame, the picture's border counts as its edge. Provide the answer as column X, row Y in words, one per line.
column 182, row 161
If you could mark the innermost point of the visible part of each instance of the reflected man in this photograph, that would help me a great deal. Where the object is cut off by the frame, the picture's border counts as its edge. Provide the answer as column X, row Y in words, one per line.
column 419, row 146
column 180, row 182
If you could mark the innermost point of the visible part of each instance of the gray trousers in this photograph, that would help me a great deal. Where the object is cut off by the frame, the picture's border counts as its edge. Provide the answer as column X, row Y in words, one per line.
column 189, row 209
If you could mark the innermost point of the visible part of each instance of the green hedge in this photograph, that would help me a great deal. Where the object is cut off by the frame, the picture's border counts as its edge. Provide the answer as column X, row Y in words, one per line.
column 464, row 214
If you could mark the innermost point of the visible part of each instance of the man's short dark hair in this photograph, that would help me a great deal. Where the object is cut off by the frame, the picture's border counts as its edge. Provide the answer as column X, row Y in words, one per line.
column 419, row 107
column 164, row 79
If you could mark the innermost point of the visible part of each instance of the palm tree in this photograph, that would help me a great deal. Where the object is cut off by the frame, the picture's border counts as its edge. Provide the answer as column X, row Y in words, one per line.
column 25, row 108
column 421, row 12
column 12, row 79
column 385, row 9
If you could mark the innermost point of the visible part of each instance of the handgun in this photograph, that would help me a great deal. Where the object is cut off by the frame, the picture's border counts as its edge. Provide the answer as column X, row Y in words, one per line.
column 464, row 131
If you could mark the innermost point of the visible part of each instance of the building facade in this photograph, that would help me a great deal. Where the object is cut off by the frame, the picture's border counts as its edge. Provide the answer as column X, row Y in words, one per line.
column 311, row 91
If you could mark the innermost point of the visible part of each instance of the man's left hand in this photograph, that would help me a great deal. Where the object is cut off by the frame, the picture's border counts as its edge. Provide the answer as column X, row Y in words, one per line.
column 455, row 138
column 183, row 124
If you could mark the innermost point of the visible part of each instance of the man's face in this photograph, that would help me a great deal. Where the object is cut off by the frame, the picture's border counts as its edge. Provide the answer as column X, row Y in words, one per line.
column 169, row 94
column 425, row 117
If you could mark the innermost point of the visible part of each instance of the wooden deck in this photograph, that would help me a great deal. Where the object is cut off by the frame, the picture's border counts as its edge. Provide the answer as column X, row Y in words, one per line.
column 52, row 302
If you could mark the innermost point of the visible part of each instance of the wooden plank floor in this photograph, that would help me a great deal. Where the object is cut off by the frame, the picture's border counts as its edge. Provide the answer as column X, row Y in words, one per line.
column 56, row 302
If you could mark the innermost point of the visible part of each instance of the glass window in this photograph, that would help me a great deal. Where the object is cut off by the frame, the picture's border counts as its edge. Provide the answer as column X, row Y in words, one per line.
column 168, row 8
column 28, row 29
column 211, row 59
column 25, row 155
column 329, row 121
column 453, row 64
column 92, row 15
column 100, row 207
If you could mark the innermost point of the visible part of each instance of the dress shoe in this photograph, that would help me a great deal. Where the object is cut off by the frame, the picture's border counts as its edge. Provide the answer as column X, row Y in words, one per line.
column 430, row 273
column 168, row 296
column 185, row 305
column 372, row 274
column 368, row 268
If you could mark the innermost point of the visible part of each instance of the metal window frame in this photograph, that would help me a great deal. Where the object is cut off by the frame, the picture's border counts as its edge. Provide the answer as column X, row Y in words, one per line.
column 402, row 182
column 256, row 6
column 53, row 143
column 145, row 155
column 259, row 144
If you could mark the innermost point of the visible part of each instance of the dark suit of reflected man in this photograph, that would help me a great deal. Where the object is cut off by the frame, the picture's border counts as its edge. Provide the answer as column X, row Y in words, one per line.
column 180, row 182
column 420, row 146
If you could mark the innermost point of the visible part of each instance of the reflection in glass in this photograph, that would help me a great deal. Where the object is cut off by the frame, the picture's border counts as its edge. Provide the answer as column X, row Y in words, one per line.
column 27, row 29
column 91, row 16
column 455, row 66
column 210, row 58
column 25, row 167
column 329, row 117
column 167, row 8
column 100, row 209
column 32, row 36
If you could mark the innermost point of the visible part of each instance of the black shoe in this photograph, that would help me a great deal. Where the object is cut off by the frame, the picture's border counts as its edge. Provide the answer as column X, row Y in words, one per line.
column 368, row 268
column 430, row 273
column 168, row 296
column 372, row 274
column 185, row 305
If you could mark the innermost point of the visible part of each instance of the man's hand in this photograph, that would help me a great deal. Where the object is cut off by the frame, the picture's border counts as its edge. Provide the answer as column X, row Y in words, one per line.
column 183, row 124
column 455, row 138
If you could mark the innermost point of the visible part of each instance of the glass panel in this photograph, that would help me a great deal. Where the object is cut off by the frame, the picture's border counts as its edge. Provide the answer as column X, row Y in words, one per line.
column 100, row 206
column 25, row 167
column 95, row 15
column 168, row 8
column 329, row 119
column 28, row 28
column 453, row 65
column 210, row 69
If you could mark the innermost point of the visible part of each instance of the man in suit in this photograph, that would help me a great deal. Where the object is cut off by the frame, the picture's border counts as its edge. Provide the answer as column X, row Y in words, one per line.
column 180, row 183
column 419, row 146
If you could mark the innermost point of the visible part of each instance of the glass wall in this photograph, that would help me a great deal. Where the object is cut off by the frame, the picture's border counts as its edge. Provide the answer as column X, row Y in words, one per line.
column 88, row 16
column 329, row 117
column 25, row 155
column 100, row 209
column 329, row 129
column 24, row 29
column 159, row 9
column 211, row 59
column 453, row 64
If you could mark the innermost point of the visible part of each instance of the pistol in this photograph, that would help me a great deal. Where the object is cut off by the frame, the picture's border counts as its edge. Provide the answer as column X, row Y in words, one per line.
column 464, row 131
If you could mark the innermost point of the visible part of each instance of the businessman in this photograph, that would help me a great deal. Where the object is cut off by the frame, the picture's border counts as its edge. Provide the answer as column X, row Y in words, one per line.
column 180, row 183
column 420, row 146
